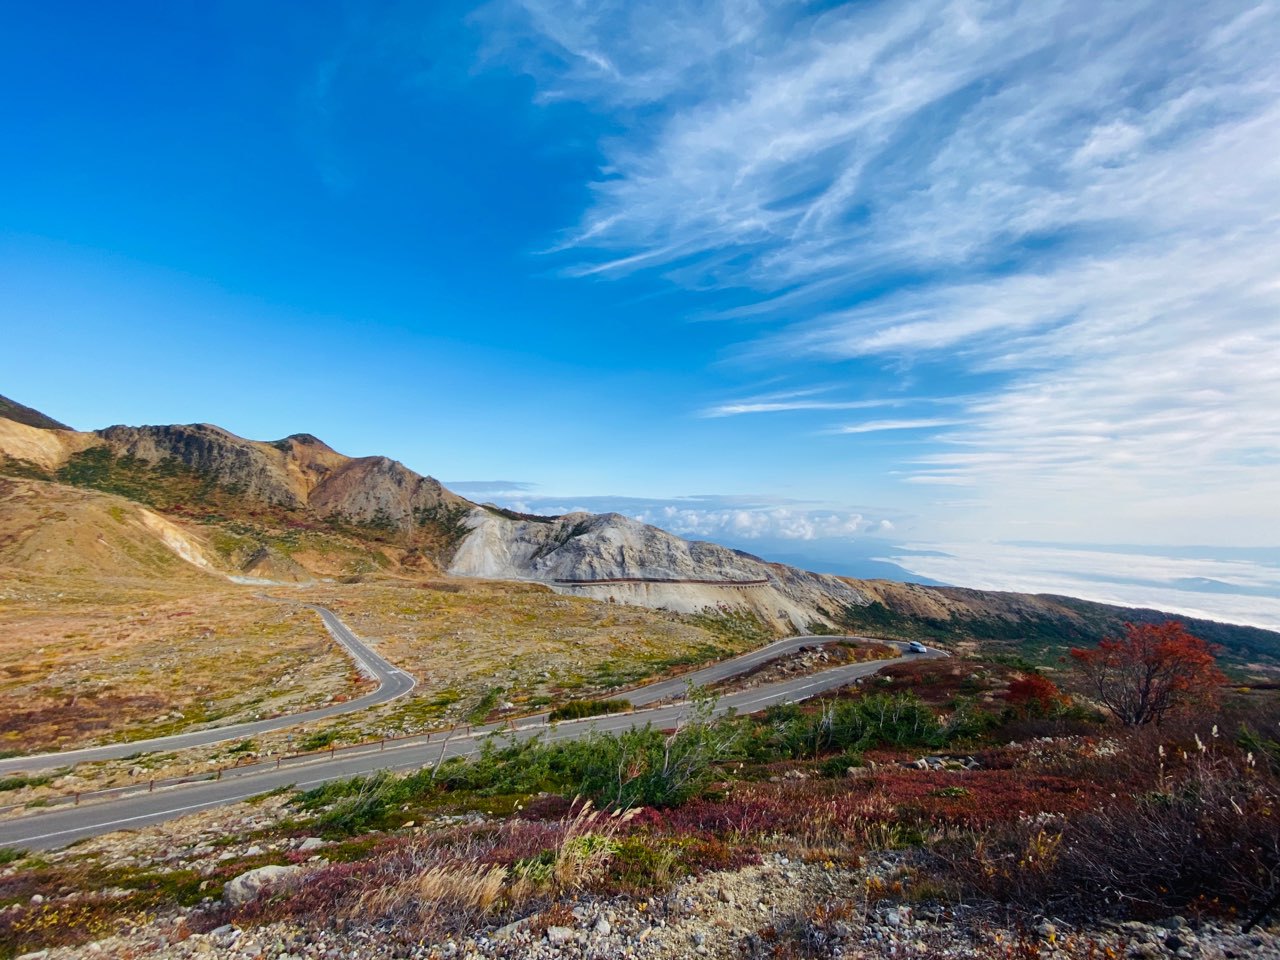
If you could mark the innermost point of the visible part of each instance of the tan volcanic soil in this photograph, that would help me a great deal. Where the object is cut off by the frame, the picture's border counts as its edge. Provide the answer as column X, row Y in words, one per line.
column 83, row 663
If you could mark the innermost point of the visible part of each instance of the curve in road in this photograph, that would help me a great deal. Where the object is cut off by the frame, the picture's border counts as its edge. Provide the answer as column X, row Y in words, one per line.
column 60, row 827
column 393, row 683
column 734, row 667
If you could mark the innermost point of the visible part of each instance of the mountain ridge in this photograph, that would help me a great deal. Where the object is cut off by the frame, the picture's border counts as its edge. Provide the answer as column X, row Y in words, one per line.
column 295, row 507
column 20, row 413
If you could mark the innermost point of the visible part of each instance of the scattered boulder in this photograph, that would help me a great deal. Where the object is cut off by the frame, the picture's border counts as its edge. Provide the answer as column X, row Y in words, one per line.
column 558, row 935
column 250, row 885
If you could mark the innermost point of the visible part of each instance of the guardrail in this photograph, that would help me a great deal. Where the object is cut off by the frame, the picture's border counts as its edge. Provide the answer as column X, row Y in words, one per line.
column 240, row 769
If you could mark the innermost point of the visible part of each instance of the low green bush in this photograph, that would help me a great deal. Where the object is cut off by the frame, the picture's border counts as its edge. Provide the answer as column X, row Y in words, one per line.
column 318, row 740
column 900, row 720
column 581, row 709
column 839, row 765
column 18, row 782
column 357, row 805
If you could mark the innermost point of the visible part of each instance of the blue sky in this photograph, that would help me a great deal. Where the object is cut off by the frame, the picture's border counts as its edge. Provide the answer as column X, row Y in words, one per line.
column 795, row 272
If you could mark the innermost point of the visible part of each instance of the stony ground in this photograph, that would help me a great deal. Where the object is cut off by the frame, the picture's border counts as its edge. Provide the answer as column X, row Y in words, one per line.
column 780, row 908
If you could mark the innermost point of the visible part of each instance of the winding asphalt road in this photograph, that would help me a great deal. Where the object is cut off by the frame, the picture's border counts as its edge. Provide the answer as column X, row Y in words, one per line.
column 393, row 683
column 744, row 663
column 57, row 828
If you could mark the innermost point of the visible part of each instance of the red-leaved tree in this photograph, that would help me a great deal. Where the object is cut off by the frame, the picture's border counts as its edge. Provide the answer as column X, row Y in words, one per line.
column 1155, row 668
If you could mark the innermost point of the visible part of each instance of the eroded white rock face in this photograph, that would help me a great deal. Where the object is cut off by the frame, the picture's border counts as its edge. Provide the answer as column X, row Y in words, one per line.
column 602, row 547
column 176, row 539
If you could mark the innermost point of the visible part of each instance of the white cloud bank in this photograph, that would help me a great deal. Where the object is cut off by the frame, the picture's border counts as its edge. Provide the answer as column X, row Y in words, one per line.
column 711, row 517
column 1239, row 591
column 1077, row 202
column 783, row 523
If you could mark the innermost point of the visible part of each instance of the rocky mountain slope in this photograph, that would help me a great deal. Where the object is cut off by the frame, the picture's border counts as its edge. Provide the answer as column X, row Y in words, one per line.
column 296, row 473
column 205, row 473
column 294, row 509
column 609, row 556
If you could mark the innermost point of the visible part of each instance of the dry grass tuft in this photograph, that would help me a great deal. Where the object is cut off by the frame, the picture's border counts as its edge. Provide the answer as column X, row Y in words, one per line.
column 588, row 845
column 462, row 892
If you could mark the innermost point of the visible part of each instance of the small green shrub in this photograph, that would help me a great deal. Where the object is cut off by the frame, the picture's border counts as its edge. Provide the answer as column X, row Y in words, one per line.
column 538, row 870
column 357, row 805
column 318, row 740
column 581, row 709
column 839, row 765
column 967, row 722
column 643, row 865
column 18, row 782
column 853, row 726
column 484, row 706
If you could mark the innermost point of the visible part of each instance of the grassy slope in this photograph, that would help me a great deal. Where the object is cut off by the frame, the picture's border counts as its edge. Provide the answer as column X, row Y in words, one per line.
column 236, row 528
column 336, row 545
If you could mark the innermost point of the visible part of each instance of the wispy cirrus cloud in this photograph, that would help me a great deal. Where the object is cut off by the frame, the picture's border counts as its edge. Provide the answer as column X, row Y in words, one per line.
column 737, row 408
column 1078, row 204
column 878, row 426
column 812, row 400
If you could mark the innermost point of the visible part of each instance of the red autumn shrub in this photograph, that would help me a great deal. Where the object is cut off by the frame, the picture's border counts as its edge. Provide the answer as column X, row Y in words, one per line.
column 1203, row 837
column 1033, row 695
